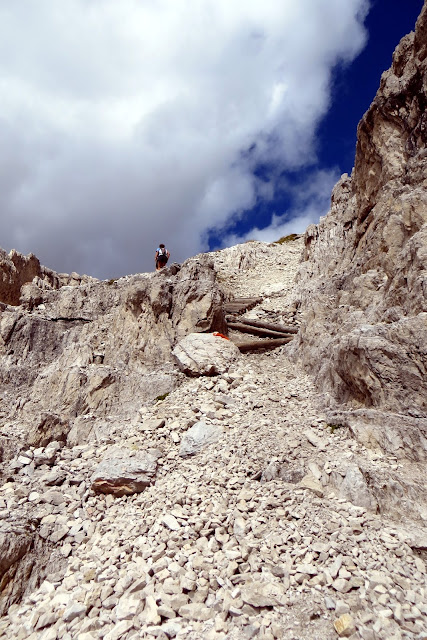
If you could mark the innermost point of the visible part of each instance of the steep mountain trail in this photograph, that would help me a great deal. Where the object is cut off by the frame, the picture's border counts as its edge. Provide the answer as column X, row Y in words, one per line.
column 268, row 523
column 283, row 497
column 265, row 270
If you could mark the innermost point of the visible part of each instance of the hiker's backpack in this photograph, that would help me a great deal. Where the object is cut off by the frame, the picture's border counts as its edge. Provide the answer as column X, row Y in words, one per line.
column 162, row 251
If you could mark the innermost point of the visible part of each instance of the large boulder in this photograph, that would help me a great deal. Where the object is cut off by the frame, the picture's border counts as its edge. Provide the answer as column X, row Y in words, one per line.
column 123, row 472
column 205, row 354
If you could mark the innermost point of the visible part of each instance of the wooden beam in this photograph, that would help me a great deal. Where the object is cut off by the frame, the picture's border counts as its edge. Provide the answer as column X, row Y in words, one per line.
column 239, row 305
column 255, row 345
column 257, row 331
column 244, row 300
column 269, row 325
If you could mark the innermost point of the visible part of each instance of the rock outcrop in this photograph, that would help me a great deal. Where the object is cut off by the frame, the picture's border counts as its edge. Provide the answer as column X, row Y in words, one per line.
column 71, row 356
column 363, row 285
column 17, row 270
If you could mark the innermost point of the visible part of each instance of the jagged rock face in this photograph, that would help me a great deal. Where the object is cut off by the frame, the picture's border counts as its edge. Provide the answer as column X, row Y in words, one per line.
column 101, row 348
column 233, row 501
column 17, row 271
column 364, row 280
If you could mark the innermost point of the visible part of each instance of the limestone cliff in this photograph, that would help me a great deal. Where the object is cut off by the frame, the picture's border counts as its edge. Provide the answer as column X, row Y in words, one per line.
column 363, row 285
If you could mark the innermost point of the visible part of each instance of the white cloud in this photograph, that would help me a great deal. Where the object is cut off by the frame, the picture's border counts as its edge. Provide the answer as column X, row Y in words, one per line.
column 128, row 123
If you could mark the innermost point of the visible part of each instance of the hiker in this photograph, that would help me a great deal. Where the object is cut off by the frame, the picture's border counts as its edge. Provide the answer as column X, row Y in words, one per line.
column 161, row 257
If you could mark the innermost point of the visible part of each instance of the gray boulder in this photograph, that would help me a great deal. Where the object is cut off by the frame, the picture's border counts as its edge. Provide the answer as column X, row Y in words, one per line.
column 205, row 354
column 123, row 472
column 199, row 436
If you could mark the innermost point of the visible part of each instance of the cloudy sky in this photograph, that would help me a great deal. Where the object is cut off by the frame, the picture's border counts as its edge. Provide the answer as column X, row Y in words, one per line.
column 197, row 123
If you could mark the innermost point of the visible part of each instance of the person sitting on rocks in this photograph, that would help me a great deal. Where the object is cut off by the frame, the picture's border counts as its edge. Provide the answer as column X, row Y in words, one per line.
column 161, row 257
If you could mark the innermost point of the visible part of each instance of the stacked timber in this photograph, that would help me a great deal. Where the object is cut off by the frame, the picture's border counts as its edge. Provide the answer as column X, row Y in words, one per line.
column 263, row 329
column 274, row 335
column 241, row 305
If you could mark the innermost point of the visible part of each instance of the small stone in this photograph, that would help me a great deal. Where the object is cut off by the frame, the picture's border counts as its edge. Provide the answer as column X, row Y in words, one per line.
column 341, row 607
column 66, row 550
column 119, row 630
column 171, row 628
column 239, row 527
column 151, row 613
column 307, row 568
column 46, row 620
column 262, row 594
column 344, row 626
column 314, row 439
column 53, row 497
column 195, row 611
column 341, row 585
column 152, row 425
column 166, row 612
column 199, row 436
column 75, row 610
column 127, row 607
column 59, row 533
column 309, row 482
column 171, row 522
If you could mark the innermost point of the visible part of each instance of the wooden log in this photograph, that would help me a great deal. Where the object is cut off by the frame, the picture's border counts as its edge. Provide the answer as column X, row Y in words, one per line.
column 236, row 307
column 257, row 331
column 239, row 305
column 269, row 325
column 244, row 300
column 255, row 345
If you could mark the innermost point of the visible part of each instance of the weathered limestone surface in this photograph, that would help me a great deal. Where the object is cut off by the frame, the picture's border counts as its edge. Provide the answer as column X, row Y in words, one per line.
column 99, row 348
column 363, row 285
column 205, row 354
column 21, row 278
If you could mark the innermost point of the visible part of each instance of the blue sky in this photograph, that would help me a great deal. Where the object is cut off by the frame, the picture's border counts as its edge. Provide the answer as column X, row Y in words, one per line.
column 196, row 123
column 353, row 88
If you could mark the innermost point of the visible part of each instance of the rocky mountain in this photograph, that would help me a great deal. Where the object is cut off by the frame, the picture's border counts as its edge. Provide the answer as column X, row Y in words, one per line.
column 363, row 284
column 233, row 447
